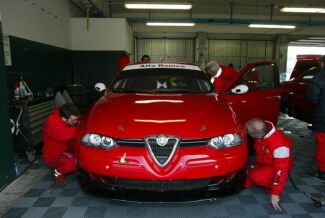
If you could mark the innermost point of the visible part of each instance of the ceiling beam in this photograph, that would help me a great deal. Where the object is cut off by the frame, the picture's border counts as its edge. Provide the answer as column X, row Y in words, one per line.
column 227, row 21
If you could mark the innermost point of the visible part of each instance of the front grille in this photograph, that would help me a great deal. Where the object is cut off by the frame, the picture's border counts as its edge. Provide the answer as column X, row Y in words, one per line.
column 139, row 143
column 174, row 185
column 162, row 153
column 193, row 142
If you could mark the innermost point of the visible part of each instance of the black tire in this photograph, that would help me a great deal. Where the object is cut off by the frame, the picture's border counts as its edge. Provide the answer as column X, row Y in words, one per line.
column 285, row 105
column 290, row 110
column 251, row 149
column 87, row 186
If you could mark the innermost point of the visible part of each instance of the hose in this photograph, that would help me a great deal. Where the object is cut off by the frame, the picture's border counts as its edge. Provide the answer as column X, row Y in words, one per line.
column 17, row 124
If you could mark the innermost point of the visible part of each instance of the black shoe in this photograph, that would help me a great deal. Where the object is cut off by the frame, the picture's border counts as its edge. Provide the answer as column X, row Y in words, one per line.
column 319, row 176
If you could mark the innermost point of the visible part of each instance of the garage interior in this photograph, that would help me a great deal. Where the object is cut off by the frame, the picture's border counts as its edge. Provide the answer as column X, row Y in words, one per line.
column 71, row 45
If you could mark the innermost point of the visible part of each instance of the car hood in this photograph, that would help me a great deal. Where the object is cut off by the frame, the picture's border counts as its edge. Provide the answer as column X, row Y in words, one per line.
column 137, row 115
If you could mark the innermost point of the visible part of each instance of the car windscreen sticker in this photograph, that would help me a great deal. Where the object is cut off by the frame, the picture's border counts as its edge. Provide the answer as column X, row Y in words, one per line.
column 150, row 66
column 161, row 85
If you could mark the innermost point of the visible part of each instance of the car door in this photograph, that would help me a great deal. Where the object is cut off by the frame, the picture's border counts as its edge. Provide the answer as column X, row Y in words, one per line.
column 262, row 95
column 298, row 94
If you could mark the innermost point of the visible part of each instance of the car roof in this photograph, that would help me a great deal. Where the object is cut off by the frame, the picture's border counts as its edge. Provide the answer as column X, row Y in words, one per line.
column 162, row 65
column 308, row 57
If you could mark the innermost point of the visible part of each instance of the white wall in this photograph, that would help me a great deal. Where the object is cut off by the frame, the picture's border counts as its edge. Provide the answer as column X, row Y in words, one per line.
column 104, row 34
column 45, row 21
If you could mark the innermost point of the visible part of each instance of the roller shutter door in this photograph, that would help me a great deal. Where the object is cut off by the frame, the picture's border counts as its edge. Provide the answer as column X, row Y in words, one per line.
column 240, row 52
column 173, row 50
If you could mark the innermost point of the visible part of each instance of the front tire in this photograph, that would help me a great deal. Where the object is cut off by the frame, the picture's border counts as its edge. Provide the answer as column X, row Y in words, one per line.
column 87, row 186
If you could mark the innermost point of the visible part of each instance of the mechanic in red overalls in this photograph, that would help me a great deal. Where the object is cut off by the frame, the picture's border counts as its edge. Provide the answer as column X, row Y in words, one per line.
column 59, row 135
column 316, row 95
column 220, row 75
column 214, row 71
column 273, row 159
column 123, row 61
column 145, row 59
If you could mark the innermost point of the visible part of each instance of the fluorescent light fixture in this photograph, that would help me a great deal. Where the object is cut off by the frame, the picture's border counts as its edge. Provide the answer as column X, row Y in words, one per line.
column 311, row 40
column 307, row 43
column 271, row 26
column 169, row 24
column 303, row 10
column 320, row 38
column 158, row 6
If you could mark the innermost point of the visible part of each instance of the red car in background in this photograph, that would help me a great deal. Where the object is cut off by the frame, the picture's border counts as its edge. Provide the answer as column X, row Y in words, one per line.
column 294, row 99
column 161, row 127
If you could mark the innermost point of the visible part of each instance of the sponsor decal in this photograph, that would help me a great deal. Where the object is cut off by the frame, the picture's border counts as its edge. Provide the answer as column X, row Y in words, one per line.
column 161, row 65
column 171, row 66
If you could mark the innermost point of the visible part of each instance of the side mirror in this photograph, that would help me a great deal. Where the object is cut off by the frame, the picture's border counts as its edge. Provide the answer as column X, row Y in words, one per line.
column 100, row 87
column 240, row 89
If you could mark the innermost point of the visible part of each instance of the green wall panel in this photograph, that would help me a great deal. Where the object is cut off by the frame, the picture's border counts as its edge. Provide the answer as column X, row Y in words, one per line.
column 91, row 67
column 41, row 65
column 6, row 147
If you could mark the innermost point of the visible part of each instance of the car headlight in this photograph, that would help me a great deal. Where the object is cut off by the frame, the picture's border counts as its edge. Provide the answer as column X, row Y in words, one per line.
column 225, row 141
column 97, row 141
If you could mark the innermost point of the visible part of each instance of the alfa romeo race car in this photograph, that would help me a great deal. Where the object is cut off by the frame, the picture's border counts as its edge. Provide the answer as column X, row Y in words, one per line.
column 162, row 127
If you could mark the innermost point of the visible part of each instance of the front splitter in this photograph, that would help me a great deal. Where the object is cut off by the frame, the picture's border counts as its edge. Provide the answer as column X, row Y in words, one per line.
column 231, row 187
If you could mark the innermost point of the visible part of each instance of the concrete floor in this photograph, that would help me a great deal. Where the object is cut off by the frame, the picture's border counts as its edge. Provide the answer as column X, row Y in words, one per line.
column 35, row 195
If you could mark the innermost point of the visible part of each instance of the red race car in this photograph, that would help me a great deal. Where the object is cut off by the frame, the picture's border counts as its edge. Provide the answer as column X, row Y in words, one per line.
column 162, row 127
column 294, row 101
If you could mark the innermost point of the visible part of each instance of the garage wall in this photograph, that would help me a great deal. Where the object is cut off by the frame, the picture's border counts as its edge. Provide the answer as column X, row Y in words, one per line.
column 91, row 67
column 40, row 41
column 174, row 50
column 41, row 65
column 97, row 48
column 39, row 36
column 240, row 52
column 101, row 34
column 44, row 21
column 6, row 147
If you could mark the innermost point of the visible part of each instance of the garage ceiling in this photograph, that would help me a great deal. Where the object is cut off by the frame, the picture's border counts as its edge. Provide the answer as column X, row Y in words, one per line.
column 220, row 16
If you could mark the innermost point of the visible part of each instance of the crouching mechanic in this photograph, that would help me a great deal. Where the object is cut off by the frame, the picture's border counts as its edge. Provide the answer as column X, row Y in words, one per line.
column 59, row 133
column 273, row 159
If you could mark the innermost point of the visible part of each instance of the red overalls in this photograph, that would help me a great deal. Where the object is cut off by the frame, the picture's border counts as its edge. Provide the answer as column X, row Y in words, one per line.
column 320, row 154
column 222, row 78
column 58, row 142
column 273, row 162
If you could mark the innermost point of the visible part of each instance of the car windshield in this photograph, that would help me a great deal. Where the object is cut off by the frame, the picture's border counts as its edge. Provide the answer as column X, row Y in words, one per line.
column 162, row 80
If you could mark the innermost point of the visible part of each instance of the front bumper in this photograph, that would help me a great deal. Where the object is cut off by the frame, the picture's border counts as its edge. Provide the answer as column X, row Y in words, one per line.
column 171, row 190
column 187, row 163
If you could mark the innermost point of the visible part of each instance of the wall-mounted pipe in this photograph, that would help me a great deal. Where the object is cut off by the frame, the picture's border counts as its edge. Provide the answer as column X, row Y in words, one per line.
column 110, row 8
column 78, row 6
column 94, row 10
column 231, row 11
column 87, row 18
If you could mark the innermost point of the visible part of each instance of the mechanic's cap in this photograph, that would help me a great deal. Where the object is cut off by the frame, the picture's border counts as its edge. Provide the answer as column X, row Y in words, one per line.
column 213, row 68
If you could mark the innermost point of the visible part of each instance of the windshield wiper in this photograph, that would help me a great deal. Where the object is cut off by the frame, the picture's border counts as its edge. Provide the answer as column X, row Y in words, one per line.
column 176, row 90
column 132, row 90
